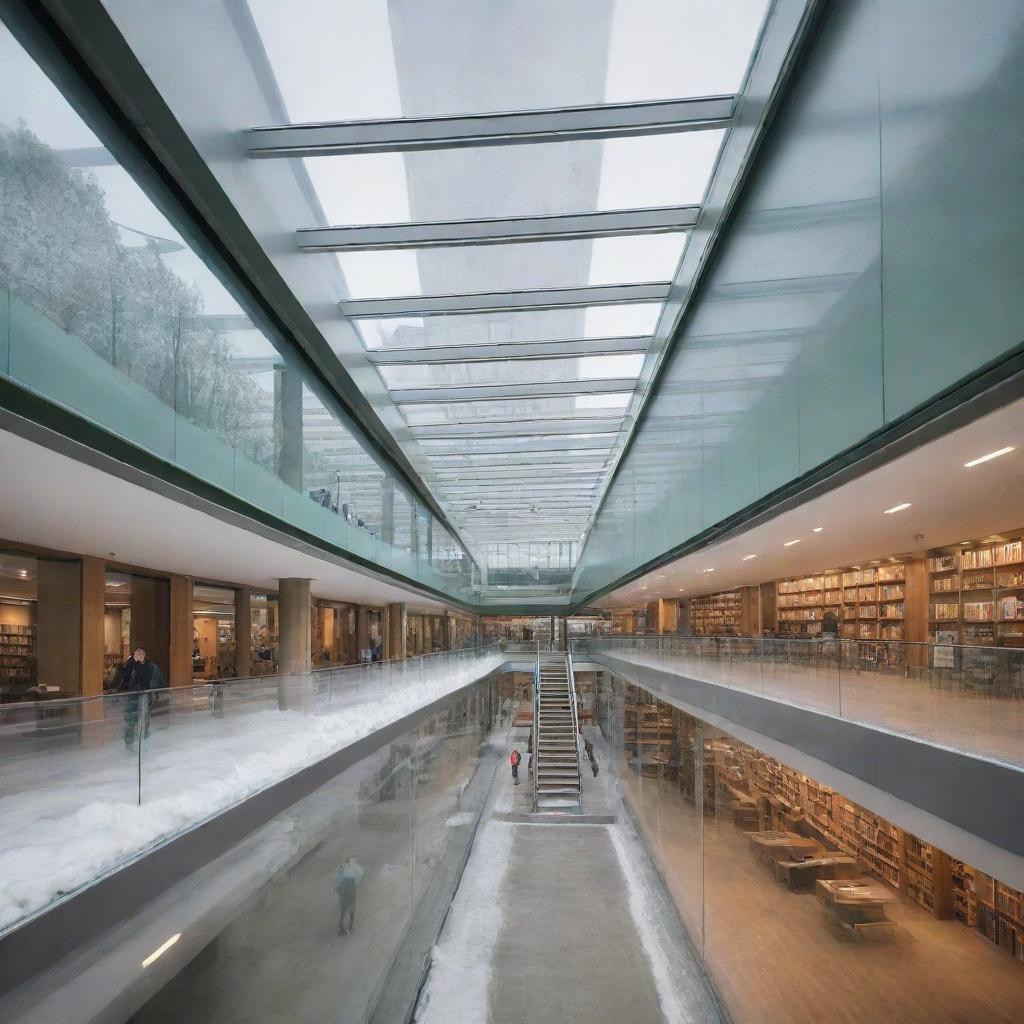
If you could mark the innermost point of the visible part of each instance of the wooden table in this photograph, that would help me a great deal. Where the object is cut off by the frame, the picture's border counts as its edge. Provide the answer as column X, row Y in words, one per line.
column 857, row 904
column 802, row 874
column 773, row 846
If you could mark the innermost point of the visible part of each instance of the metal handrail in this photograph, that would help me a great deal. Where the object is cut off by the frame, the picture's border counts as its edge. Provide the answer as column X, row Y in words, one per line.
column 575, row 719
column 54, row 703
column 535, row 756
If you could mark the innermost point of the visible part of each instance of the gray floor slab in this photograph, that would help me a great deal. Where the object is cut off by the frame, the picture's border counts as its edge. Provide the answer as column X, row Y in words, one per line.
column 568, row 950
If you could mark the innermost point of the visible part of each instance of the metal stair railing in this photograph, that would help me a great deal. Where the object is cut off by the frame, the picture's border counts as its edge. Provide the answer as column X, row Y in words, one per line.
column 535, row 756
column 575, row 724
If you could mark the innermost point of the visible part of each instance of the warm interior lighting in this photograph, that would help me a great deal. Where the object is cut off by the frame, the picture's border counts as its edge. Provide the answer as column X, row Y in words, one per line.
column 790, row 543
column 709, row 570
column 157, row 953
column 988, row 458
column 818, row 529
column 897, row 508
column 747, row 558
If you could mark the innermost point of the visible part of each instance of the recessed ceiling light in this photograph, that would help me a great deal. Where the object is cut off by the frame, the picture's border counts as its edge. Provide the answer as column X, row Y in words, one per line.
column 818, row 529
column 965, row 543
column 681, row 589
column 157, row 953
column 747, row 558
column 790, row 543
column 643, row 588
column 876, row 561
column 989, row 457
column 709, row 570
column 897, row 508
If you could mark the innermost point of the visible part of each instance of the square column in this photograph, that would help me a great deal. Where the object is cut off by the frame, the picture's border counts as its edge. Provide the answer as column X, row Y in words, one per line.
column 397, row 624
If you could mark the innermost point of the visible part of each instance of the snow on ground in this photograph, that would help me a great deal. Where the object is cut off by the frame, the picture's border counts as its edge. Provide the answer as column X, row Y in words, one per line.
column 457, row 988
column 71, row 815
column 643, row 910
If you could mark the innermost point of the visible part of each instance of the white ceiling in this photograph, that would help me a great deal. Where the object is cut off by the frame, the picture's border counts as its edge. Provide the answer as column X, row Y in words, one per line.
column 49, row 500
column 949, row 503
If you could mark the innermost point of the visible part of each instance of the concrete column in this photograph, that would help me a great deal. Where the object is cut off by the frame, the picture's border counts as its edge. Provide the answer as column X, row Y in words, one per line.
column 430, row 540
column 288, row 426
column 398, row 623
column 243, row 632
column 179, row 666
column 668, row 615
column 296, row 635
column 94, row 581
column 59, row 625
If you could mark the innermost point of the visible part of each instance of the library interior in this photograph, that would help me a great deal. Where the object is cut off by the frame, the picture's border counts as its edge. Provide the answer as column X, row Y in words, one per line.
column 511, row 512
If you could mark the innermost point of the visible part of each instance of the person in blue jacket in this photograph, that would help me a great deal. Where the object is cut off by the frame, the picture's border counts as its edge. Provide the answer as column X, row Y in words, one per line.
column 346, row 883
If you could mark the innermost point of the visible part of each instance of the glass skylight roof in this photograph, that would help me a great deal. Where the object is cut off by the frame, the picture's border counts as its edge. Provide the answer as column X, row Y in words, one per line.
column 567, row 177
column 569, row 53
column 494, row 268
column 512, row 372
column 552, row 239
column 636, row 319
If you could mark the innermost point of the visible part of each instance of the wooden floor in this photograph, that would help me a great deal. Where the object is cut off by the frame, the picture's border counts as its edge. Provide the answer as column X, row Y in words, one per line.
column 967, row 720
column 776, row 957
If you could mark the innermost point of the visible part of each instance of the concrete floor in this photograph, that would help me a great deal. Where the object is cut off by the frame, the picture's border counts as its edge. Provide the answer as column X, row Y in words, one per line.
column 569, row 950
column 582, row 934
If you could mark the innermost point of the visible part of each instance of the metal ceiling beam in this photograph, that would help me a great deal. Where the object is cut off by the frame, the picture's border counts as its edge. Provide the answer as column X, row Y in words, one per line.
column 539, row 446
column 503, row 351
column 565, row 124
column 518, row 472
column 497, row 230
column 505, row 302
column 496, row 392
column 593, row 424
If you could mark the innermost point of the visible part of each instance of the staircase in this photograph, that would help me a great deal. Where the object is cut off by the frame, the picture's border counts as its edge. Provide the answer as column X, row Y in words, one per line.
column 556, row 751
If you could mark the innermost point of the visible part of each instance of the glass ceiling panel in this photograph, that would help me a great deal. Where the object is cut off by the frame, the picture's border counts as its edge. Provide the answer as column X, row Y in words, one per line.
column 513, row 409
column 397, row 57
column 629, row 259
column 514, row 446
column 638, row 318
column 515, row 181
column 512, row 372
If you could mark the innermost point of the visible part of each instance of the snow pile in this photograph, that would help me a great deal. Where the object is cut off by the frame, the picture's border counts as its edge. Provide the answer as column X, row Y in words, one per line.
column 70, row 816
column 458, row 986
column 643, row 910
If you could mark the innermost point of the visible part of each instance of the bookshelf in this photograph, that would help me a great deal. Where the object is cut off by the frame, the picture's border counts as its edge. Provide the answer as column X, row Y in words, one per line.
column 868, row 601
column 976, row 593
column 17, row 656
column 717, row 614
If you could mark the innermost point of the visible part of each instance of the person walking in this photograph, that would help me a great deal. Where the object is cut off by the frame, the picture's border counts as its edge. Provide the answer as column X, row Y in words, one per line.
column 514, row 758
column 589, row 748
column 346, row 883
column 136, row 678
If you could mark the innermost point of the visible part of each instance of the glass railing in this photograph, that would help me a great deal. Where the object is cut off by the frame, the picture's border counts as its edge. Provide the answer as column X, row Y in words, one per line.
column 89, row 783
column 968, row 698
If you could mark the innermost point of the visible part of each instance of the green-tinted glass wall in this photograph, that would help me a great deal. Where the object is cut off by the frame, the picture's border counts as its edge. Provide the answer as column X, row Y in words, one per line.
column 875, row 260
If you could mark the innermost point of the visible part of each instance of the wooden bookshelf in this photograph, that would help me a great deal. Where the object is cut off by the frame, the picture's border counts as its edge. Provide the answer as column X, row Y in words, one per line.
column 976, row 594
column 17, row 656
column 717, row 614
column 869, row 602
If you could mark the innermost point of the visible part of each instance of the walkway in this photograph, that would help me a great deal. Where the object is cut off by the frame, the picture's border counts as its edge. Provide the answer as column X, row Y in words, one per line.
column 970, row 721
column 561, row 922
column 72, row 811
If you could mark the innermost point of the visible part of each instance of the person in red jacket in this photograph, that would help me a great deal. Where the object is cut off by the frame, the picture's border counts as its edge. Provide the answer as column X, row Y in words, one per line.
column 514, row 760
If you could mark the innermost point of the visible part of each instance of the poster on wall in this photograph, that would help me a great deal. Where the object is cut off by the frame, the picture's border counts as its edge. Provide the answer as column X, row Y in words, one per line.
column 944, row 652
